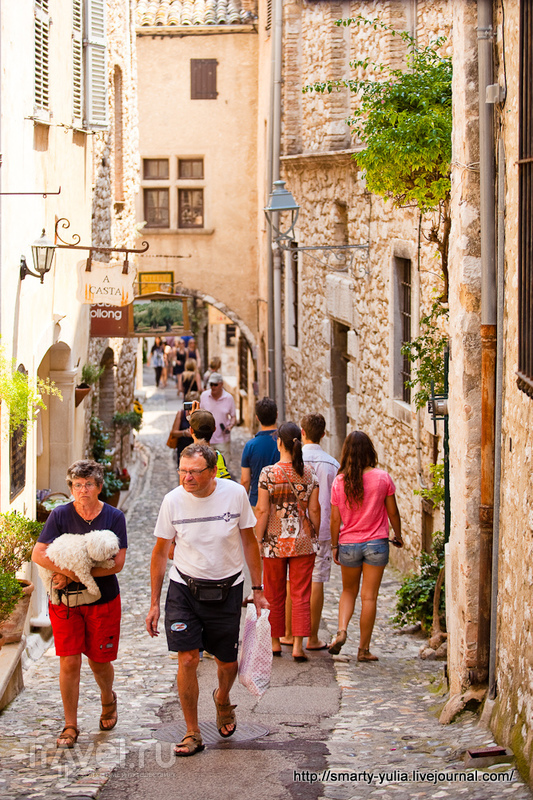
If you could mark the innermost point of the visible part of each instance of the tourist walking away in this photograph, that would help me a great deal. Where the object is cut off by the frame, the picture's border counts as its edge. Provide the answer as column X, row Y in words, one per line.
column 157, row 359
column 190, row 381
column 220, row 403
column 211, row 523
column 326, row 468
column 363, row 502
column 262, row 450
column 180, row 357
column 91, row 629
column 288, row 521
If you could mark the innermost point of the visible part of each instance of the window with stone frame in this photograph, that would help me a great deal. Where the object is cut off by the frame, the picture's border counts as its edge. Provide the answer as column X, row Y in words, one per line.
column 155, row 169
column 525, row 216
column 156, row 208
column 402, row 328
column 190, row 169
column 190, row 208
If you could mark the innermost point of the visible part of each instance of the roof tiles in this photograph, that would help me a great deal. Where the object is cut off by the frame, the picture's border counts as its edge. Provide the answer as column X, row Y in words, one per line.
column 193, row 12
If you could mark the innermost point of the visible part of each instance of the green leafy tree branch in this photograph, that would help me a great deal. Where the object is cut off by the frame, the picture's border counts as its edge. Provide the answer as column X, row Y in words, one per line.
column 404, row 119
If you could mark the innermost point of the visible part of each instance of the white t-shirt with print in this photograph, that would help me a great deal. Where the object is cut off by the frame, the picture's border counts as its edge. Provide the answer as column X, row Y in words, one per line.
column 207, row 531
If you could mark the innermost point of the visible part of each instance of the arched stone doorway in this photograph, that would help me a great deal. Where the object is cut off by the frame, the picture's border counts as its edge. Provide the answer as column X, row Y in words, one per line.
column 56, row 425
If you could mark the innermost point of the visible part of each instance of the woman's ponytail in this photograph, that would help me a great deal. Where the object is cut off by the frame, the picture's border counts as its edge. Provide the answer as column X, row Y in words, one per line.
column 291, row 438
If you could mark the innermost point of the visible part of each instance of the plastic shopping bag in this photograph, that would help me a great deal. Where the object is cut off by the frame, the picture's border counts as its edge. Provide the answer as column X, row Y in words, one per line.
column 256, row 651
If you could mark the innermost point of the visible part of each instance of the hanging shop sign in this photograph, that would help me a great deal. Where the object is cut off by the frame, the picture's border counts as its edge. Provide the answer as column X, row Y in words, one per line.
column 105, row 283
column 111, row 321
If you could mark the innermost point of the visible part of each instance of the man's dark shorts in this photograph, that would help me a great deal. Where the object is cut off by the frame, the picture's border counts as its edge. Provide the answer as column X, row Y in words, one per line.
column 193, row 625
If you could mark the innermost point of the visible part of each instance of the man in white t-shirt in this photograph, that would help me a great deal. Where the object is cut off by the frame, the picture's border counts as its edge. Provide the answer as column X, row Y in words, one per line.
column 211, row 523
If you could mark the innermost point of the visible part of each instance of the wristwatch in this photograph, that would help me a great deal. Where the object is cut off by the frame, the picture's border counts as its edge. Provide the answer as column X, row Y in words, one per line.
column 258, row 588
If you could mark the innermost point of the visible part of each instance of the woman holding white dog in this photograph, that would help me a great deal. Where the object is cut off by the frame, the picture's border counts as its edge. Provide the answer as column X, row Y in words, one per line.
column 81, row 627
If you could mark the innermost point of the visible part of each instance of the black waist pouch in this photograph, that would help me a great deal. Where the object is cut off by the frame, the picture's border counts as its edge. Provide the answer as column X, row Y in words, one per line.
column 209, row 591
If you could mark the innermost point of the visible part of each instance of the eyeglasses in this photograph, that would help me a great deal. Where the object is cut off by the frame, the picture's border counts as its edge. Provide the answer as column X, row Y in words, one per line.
column 216, row 384
column 80, row 486
column 193, row 472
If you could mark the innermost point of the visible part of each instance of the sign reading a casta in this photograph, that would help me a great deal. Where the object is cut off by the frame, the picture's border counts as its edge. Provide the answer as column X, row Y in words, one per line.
column 105, row 283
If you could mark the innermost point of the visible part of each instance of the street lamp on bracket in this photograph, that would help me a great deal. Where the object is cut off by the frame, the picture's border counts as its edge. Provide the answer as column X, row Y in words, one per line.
column 281, row 200
column 43, row 251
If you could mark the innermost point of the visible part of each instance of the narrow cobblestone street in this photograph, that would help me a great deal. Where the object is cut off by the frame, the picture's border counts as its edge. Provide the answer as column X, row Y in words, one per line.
column 374, row 723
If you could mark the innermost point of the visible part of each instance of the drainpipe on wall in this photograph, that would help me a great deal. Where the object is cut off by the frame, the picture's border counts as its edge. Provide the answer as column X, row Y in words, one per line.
column 488, row 336
column 499, row 409
column 275, row 306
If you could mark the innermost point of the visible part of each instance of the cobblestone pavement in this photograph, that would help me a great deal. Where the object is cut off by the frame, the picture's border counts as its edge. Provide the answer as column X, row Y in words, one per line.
column 385, row 738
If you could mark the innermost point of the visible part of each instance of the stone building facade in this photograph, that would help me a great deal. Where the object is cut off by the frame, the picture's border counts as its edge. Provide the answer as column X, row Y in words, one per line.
column 343, row 313
column 116, row 183
column 509, row 588
column 197, row 207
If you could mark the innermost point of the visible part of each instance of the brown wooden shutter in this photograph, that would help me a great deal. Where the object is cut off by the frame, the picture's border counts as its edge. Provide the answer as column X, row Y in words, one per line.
column 204, row 79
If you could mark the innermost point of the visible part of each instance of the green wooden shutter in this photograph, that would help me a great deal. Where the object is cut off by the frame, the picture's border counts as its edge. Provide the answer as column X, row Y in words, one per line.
column 95, row 65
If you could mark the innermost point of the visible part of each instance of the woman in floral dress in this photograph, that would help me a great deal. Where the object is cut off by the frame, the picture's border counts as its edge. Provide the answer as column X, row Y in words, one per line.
column 287, row 491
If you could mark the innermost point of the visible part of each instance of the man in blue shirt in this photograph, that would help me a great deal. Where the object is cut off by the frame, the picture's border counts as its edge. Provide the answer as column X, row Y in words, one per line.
column 262, row 450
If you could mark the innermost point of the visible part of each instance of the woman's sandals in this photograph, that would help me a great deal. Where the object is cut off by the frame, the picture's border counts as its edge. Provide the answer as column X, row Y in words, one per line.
column 190, row 744
column 366, row 655
column 337, row 643
column 225, row 716
column 67, row 740
column 109, row 715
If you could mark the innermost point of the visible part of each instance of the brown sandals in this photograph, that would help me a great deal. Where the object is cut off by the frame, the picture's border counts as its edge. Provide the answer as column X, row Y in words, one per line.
column 337, row 643
column 109, row 715
column 67, row 740
column 191, row 744
column 225, row 716
column 366, row 655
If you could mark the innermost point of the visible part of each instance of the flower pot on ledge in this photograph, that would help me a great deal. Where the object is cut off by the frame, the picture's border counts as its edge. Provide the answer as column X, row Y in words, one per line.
column 13, row 627
column 81, row 392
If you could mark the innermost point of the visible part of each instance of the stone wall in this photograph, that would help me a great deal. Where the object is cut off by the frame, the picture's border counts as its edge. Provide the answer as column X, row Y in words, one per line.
column 116, row 180
column 512, row 720
column 465, row 363
column 343, row 365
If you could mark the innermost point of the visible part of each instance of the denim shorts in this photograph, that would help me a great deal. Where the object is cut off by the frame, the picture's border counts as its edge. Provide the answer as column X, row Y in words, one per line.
column 374, row 552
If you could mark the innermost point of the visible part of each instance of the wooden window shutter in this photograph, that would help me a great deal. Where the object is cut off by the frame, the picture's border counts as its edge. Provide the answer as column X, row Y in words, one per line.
column 204, row 79
column 42, row 26
column 77, row 61
column 95, row 65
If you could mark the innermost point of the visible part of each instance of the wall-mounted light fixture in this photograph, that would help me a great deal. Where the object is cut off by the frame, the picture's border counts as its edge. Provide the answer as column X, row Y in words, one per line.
column 281, row 200
column 43, row 251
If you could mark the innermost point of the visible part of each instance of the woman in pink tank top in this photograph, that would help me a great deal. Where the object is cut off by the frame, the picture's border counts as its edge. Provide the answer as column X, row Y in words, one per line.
column 362, row 504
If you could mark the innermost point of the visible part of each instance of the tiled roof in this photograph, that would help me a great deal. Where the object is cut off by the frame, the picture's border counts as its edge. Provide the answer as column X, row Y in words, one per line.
column 192, row 12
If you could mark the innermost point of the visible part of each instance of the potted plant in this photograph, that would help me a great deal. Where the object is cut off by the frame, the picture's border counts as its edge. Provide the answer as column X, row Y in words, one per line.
column 111, row 488
column 18, row 535
column 21, row 394
column 90, row 374
column 124, row 423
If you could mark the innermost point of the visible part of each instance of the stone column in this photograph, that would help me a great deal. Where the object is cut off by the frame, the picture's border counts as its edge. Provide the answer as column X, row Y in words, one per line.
column 465, row 362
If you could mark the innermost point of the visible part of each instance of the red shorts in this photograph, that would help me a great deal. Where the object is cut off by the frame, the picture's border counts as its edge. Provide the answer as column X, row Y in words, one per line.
column 92, row 630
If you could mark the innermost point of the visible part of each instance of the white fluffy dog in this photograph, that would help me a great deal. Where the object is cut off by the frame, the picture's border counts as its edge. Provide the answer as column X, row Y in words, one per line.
column 79, row 553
